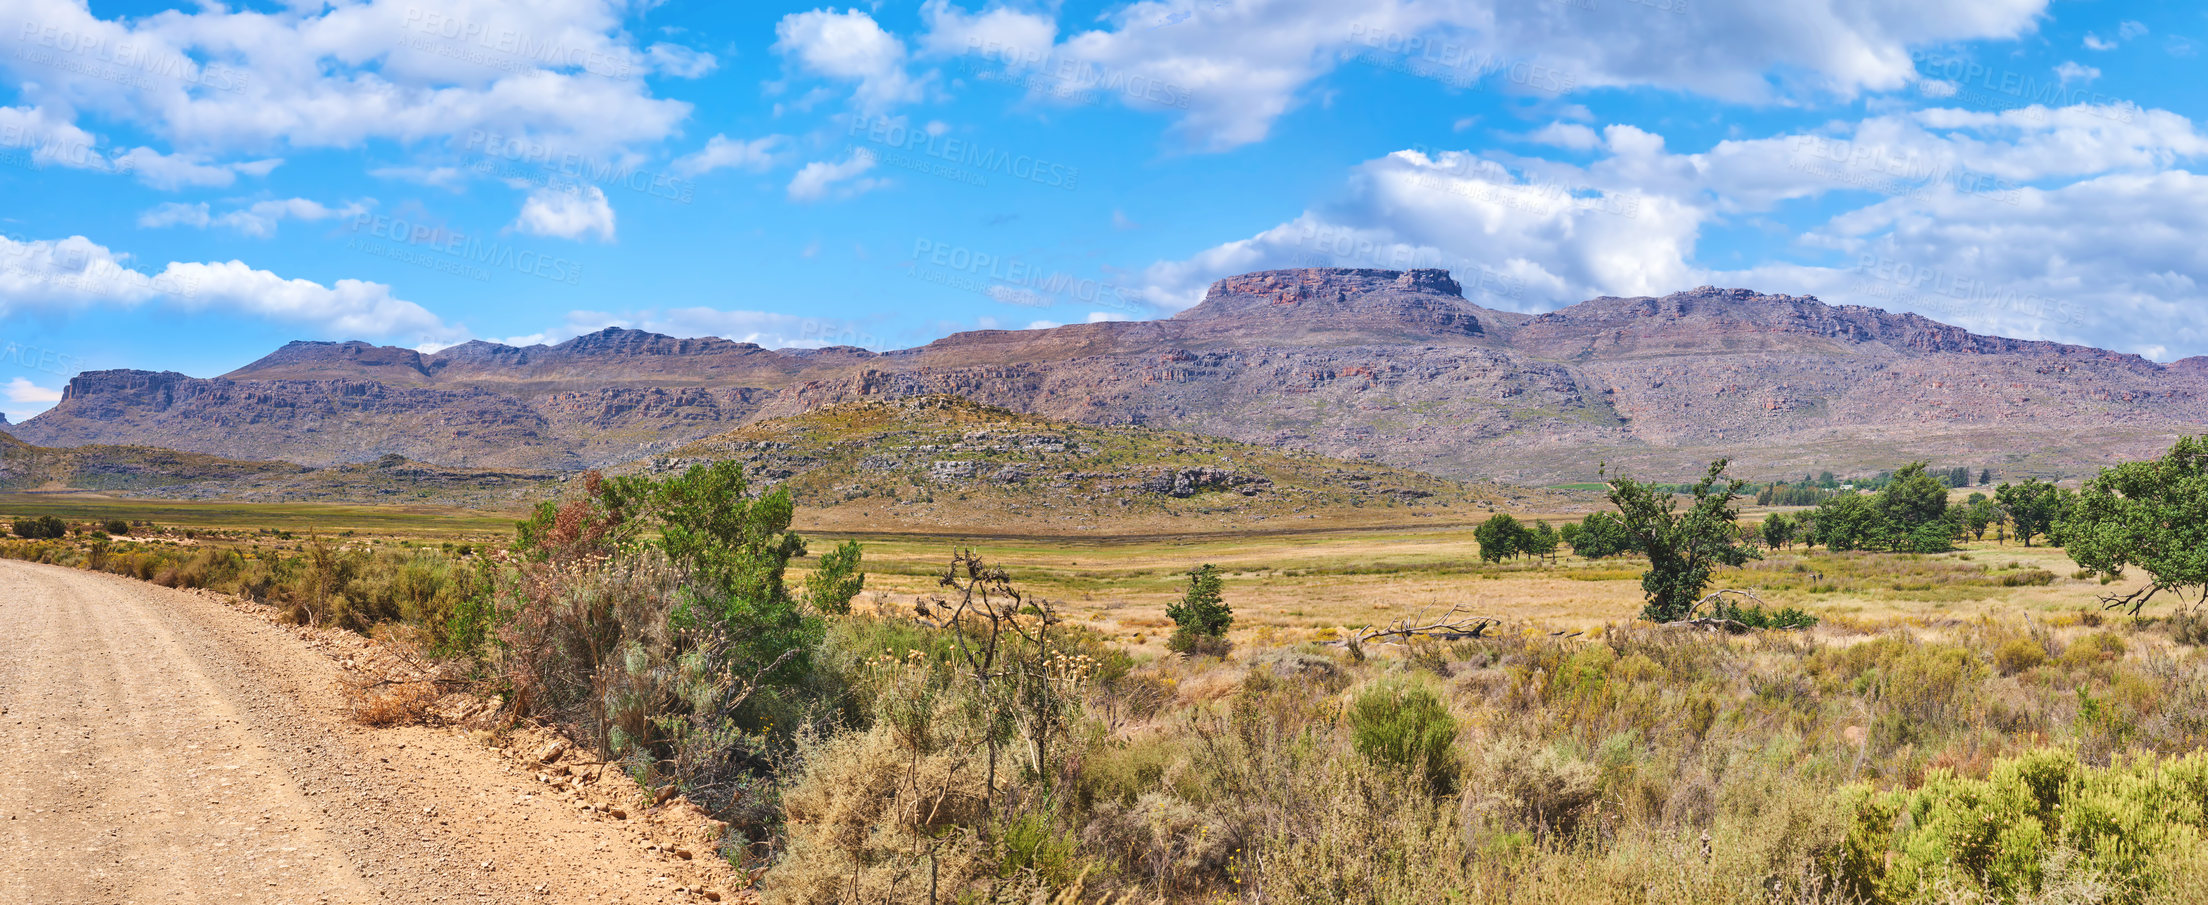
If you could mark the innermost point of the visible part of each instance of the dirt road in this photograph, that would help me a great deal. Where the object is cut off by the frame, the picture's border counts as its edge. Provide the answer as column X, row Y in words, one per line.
column 161, row 747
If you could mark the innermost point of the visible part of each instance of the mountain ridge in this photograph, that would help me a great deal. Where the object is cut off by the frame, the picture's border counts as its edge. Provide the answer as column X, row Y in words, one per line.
column 1394, row 367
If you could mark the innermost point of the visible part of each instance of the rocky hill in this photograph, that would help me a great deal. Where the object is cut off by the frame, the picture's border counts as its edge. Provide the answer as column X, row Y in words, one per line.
column 947, row 464
column 170, row 474
column 1390, row 367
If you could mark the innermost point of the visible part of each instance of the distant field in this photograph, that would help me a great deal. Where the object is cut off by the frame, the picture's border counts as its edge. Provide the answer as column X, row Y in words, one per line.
column 1295, row 588
column 1287, row 586
column 397, row 521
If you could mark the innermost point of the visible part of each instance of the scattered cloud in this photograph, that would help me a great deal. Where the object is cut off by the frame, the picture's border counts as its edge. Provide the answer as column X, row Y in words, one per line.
column 822, row 179
column 567, row 212
column 258, row 219
column 77, row 274
column 722, row 152
column 2070, row 72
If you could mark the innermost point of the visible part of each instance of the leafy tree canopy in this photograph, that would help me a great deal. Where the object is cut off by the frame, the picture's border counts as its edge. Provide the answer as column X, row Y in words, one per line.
column 2151, row 514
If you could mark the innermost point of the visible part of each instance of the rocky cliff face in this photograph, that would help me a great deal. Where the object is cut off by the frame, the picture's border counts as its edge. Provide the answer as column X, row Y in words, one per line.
column 1394, row 367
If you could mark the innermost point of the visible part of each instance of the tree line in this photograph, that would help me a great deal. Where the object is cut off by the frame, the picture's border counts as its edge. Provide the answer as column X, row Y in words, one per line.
column 2152, row 514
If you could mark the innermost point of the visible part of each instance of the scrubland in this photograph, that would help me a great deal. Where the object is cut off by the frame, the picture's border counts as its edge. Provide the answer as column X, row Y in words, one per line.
column 1964, row 727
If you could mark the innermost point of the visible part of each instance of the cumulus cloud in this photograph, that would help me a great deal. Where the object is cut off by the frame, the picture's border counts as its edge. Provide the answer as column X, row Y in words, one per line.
column 850, row 47
column 822, row 179
column 218, row 79
column 76, row 274
column 258, row 219
column 567, row 212
column 723, row 152
column 2070, row 224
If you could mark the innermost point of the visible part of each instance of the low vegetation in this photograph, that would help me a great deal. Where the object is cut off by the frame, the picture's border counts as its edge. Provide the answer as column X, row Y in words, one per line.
column 978, row 745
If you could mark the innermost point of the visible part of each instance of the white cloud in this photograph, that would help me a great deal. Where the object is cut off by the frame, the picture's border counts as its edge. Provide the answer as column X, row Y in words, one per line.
column 721, row 152
column 50, row 139
column 849, row 46
column 76, row 274
column 2074, row 224
column 177, row 171
column 2070, row 71
column 2131, row 28
column 568, row 212
column 21, row 389
column 1566, row 135
column 821, row 179
column 681, row 62
column 434, row 177
column 2096, row 42
column 1227, row 71
column 952, row 31
column 217, row 80
column 27, row 399
column 258, row 219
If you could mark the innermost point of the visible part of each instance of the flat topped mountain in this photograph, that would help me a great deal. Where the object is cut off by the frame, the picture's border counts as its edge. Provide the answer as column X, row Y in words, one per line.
column 1383, row 366
column 1426, row 303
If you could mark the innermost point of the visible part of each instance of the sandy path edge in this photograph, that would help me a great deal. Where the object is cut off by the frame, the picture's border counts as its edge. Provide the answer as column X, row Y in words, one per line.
column 161, row 746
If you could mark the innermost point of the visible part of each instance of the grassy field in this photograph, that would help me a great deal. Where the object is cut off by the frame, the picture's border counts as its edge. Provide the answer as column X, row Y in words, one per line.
column 1287, row 587
column 424, row 522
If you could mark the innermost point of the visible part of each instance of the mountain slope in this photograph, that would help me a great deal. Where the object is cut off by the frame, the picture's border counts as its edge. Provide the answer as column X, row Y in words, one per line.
column 1382, row 366
column 166, row 473
column 944, row 463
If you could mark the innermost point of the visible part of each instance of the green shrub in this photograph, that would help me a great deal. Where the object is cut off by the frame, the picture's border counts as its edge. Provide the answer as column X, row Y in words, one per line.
column 2018, row 655
column 44, row 527
column 1190, row 643
column 1201, row 610
column 115, row 526
column 2137, row 822
column 1406, row 726
column 2028, row 578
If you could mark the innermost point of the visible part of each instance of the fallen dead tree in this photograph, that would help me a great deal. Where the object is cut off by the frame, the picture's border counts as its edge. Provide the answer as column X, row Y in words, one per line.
column 1715, row 620
column 1449, row 627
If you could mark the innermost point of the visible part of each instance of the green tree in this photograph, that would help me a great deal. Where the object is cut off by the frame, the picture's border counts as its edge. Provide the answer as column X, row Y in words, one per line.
column 1778, row 531
column 1978, row 515
column 2032, row 506
column 1202, row 609
column 1985, row 476
column 1500, row 538
column 1540, row 542
column 1852, row 521
column 1601, row 535
column 1913, row 498
column 1684, row 549
column 836, row 580
column 2151, row 514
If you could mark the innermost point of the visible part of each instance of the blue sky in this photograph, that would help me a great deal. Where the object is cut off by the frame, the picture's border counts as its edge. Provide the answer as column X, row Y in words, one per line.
column 186, row 189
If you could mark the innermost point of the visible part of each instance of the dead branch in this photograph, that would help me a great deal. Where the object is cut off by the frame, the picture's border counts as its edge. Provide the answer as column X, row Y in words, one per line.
column 1720, row 594
column 1711, row 623
column 1447, row 628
